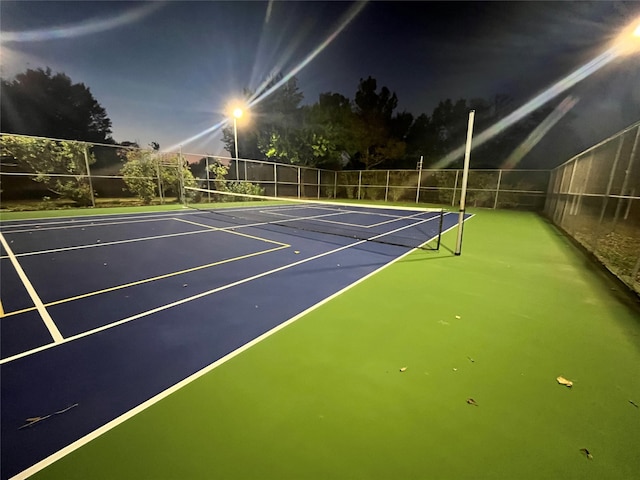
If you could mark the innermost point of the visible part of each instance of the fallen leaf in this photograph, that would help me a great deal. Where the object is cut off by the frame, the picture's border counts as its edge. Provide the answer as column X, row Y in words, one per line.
column 564, row 381
column 587, row 453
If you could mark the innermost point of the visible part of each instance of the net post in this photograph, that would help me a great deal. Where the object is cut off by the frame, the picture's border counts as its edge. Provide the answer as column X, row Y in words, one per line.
column 465, row 177
column 440, row 224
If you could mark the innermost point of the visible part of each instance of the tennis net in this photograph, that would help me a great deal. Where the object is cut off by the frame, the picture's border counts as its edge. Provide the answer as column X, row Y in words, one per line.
column 404, row 226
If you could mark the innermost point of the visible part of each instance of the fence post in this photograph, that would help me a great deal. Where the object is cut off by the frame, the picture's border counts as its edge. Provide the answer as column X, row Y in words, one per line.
column 275, row 180
column 359, row 182
column 206, row 162
column 335, row 184
column 495, row 203
column 299, row 182
column 576, row 208
column 181, row 167
column 455, row 187
column 159, row 180
column 605, row 200
column 627, row 174
column 386, row 188
column 568, row 194
column 86, row 162
column 419, row 179
column 318, row 183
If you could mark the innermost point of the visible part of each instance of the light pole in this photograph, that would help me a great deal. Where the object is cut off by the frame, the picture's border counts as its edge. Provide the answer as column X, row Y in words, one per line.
column 237, row 113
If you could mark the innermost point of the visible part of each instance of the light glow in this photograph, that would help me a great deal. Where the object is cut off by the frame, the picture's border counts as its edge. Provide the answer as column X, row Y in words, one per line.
column 258, row 97
column 539, row 132
column 627, row 42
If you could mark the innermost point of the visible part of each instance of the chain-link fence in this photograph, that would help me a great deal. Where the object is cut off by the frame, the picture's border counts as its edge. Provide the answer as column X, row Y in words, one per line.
column 595, row 197
column 42, row 173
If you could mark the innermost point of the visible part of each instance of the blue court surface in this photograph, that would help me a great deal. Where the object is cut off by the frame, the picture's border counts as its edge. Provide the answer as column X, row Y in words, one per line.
column 101, row 313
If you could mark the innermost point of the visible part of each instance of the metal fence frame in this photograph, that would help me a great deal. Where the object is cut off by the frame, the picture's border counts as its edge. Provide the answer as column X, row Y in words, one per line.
column 595, row 198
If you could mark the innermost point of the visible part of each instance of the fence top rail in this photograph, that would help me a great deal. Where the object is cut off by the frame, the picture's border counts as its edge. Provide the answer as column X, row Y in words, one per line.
column 597, row 145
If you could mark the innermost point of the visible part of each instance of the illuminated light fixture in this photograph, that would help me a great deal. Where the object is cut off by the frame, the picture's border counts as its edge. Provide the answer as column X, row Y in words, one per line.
column 628, row 41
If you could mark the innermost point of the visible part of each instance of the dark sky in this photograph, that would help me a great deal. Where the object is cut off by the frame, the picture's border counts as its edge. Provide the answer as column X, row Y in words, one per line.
column 165, row 71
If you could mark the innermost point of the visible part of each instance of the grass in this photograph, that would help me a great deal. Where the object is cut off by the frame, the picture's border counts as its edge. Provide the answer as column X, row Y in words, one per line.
column 325, row 398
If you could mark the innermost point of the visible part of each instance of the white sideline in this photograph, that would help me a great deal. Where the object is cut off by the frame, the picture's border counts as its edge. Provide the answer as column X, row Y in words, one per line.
column 35, row 298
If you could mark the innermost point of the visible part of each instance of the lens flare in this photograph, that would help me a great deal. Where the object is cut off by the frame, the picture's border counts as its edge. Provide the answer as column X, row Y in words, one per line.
column 539, row 132
column 84, row 28
column 347, row 19
column 626, row 43
column 258, row 97
column 195, row 137
column 533, row 104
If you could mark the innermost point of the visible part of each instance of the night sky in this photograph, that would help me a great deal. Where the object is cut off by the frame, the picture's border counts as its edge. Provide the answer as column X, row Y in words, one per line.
column 165, row 71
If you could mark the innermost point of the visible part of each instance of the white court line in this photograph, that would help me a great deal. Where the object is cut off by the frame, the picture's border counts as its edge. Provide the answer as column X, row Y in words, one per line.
column 93, row 217
column 67, row 226
column 46, row 318
column 153, row 400
column 200, row 295
column 207, row 229
column 107, row 244
column 320, row 218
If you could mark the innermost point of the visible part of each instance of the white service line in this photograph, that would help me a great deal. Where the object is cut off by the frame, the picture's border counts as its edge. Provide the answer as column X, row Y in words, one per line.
column 115, row 242
column 46, row 318
column 69, row 225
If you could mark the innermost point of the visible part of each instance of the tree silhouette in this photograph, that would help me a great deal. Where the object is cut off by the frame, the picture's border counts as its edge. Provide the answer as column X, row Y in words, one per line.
column 43, row 104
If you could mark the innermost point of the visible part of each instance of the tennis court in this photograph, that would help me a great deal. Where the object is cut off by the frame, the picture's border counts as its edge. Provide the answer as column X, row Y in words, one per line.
column 103, row 313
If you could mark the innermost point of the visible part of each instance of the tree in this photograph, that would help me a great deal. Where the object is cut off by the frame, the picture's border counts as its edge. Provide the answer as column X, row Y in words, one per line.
column 60, row 165
column 149, row 174
column 376, row 132
column 277, row 114
column 40, row 103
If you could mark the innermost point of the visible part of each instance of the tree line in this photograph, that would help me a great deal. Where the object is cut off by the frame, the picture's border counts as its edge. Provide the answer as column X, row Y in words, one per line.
column 335, row 132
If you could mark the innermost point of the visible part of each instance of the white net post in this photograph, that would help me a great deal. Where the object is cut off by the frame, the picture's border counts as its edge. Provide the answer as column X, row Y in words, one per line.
column 465, row 177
